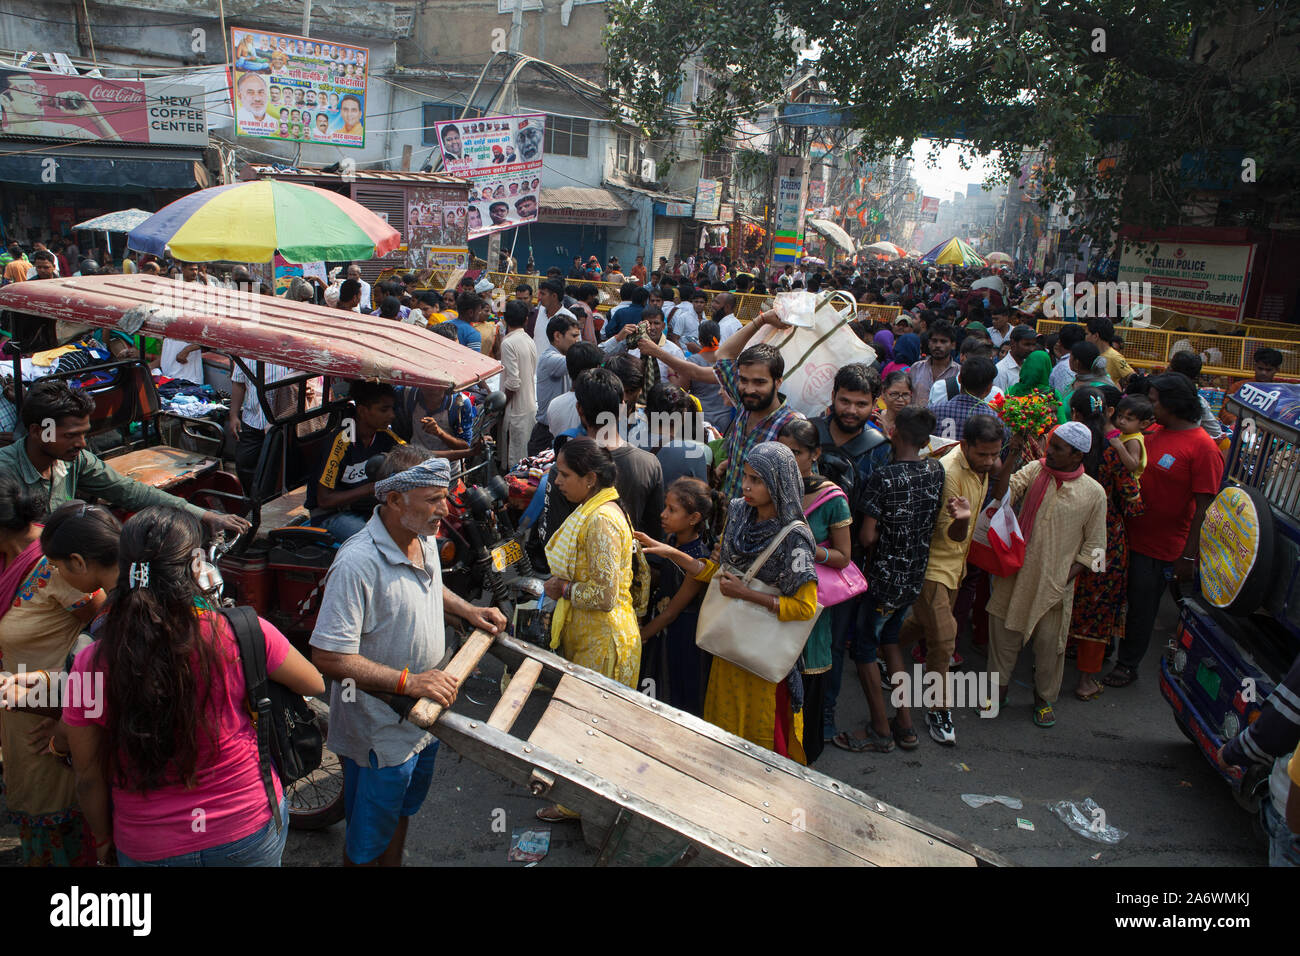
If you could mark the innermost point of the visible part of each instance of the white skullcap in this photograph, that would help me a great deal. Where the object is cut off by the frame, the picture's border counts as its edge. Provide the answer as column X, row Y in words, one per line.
column 1076, row 435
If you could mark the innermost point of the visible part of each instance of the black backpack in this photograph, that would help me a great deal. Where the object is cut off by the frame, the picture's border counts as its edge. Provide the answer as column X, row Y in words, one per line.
column 287, row 731
column 839, row 462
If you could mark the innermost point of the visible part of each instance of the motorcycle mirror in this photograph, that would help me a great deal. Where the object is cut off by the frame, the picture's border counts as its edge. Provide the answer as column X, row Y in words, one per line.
column 495, row 403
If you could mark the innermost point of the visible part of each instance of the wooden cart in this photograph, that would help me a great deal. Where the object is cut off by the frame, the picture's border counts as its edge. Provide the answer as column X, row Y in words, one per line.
column 656, row 786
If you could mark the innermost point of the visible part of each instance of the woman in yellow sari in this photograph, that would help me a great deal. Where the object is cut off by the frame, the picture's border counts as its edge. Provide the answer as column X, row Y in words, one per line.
column 595, row 621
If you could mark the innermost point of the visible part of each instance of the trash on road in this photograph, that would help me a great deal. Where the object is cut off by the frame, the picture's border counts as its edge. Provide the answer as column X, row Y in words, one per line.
column 529, row 845
column 1088, row 820
column 1024, row 824
column 978, row 800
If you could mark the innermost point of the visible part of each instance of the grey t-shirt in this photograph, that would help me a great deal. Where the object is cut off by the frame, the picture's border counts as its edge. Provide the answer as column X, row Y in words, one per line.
column 712, row 402
column 381, row 606
column 684, row 458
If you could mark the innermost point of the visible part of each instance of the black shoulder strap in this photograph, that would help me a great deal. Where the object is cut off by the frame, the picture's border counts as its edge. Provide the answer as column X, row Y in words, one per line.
column 252, row 652
column 862, row 443
column 952, row 386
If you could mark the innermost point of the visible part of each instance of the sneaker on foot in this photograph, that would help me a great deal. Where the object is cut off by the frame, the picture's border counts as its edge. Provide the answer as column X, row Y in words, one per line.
column 941, row 729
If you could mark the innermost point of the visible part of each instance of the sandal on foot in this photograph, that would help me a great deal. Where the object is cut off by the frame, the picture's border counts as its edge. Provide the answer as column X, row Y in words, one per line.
column 1044, row 716
column 873, row 742
column 556, row 814
column 905, row 737
column 1093, row 696
column 1120, row 676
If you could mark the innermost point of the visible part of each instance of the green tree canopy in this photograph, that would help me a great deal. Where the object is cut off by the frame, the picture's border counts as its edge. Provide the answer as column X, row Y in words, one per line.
column 1140, row 105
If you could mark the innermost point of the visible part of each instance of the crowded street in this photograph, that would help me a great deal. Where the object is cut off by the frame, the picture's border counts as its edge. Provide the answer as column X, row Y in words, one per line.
column 539, row 434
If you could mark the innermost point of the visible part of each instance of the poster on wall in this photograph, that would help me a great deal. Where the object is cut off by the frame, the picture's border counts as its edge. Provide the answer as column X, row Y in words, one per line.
column 436, row 221
column 708, row 198
column 929, row 209
column 501, row 156
column 52, row 105
column 1192, row 278
column 299, row 89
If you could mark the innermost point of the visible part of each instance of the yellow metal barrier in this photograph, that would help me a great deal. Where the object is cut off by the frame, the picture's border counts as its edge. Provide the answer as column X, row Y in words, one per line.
column 1232, row 355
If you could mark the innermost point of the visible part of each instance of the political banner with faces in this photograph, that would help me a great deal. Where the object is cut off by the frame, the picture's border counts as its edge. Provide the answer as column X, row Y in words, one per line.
column 435, row 222
column 501, row 156
column 299, row 89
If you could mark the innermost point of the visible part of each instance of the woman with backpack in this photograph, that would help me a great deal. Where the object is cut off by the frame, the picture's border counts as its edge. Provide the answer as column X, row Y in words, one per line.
column 164, row 749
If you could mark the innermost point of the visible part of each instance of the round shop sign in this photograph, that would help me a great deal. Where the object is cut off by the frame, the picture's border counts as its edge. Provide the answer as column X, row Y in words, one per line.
column 1236, row 549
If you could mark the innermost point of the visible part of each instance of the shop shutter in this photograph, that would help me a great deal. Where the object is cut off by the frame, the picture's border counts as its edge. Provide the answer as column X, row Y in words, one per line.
column 390, row 203
column 665, row 243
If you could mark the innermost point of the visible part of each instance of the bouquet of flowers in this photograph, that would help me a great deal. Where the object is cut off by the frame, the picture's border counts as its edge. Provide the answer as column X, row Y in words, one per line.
column 1031, row 415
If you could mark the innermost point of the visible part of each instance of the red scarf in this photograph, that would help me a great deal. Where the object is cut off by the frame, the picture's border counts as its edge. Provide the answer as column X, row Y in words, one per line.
column 1038, row 490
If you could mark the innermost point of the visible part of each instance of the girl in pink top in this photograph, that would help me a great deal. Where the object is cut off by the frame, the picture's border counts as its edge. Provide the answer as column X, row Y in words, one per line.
column 165, row 730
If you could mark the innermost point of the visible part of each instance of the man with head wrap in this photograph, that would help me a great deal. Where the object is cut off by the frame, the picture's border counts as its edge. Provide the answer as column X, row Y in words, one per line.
column 380, row 629
column 1062, row 513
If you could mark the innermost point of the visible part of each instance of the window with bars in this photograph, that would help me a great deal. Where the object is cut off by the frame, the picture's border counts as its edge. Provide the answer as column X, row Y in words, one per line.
column 624, row 162
column 440, row 113
column 566, row 136
column 716, row 166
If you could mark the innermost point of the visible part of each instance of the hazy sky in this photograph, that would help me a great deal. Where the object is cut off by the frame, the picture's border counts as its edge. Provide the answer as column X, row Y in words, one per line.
column 947, row 176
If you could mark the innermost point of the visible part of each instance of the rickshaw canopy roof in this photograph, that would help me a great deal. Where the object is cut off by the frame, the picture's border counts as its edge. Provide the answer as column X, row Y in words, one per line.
column 307, row 338
column 1271, row 401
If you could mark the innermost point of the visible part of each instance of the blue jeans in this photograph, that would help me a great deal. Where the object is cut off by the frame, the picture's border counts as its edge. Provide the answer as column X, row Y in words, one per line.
column 342, row 524
column 263, row 848
column 1283, row 845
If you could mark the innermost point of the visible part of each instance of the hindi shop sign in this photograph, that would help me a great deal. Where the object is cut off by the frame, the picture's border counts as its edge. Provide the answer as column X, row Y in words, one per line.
column 299, row 89
column 1192, row 278
column 52, row 105
column 501, row 156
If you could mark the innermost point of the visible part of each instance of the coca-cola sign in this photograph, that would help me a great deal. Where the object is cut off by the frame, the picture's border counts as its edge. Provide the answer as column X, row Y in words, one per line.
column 165, row 111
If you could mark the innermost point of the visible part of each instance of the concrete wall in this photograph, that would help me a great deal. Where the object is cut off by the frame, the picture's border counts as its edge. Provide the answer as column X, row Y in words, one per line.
column 460, row 32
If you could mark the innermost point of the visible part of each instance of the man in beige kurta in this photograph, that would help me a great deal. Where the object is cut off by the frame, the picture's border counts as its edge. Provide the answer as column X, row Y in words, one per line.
column 1066, row 538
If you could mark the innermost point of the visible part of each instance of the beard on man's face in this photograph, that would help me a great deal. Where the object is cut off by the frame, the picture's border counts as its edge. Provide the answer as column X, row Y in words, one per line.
column 754, row 401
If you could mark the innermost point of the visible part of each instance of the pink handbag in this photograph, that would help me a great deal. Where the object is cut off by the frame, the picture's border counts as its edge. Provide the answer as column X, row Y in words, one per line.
column 836, row 585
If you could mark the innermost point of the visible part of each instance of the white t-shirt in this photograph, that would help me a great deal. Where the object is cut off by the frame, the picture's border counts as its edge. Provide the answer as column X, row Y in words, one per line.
column 170, row 365
column 562, row 413
column 728, row 327
column 1008, row 373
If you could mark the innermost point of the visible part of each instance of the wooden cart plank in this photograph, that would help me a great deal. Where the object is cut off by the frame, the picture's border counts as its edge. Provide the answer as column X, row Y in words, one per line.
column 512, row 651
column 426, row 711
column 597, row 799
column 511, row 704
column 564, row 732
column 867, row 834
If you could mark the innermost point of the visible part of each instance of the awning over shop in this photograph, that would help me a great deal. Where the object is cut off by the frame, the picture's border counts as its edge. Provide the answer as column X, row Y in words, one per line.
column 833, row 232
column 57, row 167
column 581, row 204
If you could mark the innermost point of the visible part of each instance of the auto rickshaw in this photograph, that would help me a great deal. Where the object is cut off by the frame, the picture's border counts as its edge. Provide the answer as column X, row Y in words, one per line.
column 1239, row 633
column 278, row 567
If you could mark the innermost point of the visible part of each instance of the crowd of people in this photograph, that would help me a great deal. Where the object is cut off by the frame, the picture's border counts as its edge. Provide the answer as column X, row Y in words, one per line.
column 674, row 476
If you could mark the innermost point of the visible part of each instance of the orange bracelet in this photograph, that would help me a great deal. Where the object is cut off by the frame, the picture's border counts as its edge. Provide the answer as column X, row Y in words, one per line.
column 401, row 681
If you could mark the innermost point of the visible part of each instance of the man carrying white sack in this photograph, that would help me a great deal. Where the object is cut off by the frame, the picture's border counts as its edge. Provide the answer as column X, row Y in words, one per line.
column 1062, row 514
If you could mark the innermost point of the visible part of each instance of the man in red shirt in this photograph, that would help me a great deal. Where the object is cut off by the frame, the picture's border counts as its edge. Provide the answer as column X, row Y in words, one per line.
column 638, row 270
column 1182, row 476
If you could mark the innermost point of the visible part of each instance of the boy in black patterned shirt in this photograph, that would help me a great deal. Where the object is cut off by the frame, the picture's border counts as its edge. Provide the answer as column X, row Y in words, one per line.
column 900, row 506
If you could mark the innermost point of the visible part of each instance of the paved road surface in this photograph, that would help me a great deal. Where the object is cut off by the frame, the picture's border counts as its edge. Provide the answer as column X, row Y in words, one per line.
column 1123, row 750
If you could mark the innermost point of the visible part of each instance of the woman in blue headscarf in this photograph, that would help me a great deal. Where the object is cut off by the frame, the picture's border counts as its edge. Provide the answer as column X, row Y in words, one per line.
column 907, row 351
column 736, row 700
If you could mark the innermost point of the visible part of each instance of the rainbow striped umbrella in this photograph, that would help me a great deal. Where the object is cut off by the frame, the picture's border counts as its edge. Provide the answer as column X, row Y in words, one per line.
column 953, row 252
column 249, row 222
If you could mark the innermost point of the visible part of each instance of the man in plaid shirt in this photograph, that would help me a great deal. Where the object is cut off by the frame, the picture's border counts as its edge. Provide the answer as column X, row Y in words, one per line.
column 751, row 377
